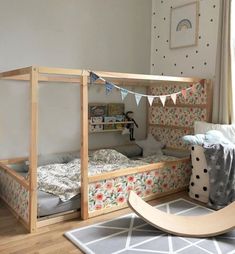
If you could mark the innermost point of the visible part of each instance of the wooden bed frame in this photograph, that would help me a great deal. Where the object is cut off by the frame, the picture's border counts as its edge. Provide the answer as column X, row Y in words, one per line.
column 28, row 214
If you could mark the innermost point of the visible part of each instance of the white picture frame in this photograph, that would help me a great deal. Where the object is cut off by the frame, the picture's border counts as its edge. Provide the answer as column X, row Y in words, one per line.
column 184, row 25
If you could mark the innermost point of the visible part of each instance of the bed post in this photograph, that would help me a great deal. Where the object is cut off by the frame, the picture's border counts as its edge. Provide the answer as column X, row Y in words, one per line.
column 33, row 149
column 209, row 96
column 84, row 145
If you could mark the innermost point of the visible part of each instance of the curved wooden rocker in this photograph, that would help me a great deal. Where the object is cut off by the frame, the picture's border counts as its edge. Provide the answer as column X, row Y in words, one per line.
column 216, row 223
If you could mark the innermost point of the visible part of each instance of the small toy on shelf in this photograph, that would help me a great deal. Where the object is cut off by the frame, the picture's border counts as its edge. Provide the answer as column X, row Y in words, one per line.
column 130, row 126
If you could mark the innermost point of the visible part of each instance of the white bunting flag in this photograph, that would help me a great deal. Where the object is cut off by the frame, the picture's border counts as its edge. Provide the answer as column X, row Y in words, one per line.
column 150, row 99
column 174, row 97
column 138, row 98
column 124, row 93
column 184, row 93
column 163, row 100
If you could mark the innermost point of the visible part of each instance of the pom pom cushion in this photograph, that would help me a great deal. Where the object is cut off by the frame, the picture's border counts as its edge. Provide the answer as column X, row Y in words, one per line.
column 150, row 146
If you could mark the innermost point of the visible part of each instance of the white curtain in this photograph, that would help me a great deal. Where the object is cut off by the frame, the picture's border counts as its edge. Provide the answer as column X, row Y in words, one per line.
column 223, row 96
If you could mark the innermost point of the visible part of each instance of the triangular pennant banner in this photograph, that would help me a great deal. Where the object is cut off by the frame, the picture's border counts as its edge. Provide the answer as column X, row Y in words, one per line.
column 124, row 93
column 150, row 99
column 163, row 100
column 174, row 97
column 108, row 87
column 184, row 93
column 138, row 98
column 93, row 77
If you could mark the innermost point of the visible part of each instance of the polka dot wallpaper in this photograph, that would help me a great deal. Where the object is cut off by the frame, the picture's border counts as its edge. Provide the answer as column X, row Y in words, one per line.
column 198, row 60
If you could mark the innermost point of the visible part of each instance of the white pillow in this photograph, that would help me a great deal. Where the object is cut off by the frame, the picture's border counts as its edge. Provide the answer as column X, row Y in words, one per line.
column 150, row 146
column 228, row 130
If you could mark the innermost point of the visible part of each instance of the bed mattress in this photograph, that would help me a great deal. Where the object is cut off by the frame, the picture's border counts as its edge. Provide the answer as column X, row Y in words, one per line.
column 49, row 204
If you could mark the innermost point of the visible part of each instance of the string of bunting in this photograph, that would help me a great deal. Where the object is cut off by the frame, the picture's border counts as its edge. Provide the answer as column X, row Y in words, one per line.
column 124, row 92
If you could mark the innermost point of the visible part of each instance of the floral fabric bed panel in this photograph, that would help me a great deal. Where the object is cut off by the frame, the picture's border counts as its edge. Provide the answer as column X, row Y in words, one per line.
column 15, row 195
column 170, row 122
column 63, row 180
column 113, row 192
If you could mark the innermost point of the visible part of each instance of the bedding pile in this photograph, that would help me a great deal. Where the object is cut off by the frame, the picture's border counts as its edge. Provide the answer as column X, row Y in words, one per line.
column 221, row 166
column 220, row 159
column 63, row 180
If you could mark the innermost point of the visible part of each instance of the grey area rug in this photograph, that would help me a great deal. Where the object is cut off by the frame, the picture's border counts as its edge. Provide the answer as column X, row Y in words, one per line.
column 130, row 234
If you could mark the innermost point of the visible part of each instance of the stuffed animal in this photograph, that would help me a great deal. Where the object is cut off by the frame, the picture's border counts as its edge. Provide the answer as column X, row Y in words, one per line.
column 130, row 126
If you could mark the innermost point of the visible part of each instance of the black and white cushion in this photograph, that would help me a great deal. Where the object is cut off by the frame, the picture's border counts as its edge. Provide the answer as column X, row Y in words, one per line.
column 199, row 181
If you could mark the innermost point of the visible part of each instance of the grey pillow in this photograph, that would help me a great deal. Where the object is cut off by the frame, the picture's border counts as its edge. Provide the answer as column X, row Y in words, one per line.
column 176, row 153
column 129, row 150
column 57, row 158
column 19, row 167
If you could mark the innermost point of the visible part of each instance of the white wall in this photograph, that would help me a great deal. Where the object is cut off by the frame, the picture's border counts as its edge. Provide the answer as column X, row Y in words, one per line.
column 99, row 35
column 196, row 60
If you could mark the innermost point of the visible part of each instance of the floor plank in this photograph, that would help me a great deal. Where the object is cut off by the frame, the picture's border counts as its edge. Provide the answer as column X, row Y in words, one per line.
column 50, row 240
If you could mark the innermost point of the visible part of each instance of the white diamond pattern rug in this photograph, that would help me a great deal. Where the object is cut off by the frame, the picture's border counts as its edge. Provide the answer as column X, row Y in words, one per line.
column 131, row 235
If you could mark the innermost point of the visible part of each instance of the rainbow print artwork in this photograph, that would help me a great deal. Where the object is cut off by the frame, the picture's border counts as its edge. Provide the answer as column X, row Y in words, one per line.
column 183, row 25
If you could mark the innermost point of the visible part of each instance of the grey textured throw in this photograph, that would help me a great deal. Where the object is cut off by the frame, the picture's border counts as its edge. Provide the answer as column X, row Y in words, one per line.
column 221, row 166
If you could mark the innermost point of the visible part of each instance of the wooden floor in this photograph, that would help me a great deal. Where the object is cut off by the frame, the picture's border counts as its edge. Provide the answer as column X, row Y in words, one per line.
column 50, row 240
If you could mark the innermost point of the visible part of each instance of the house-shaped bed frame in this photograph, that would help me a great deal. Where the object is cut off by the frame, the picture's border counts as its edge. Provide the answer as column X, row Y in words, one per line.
column 196, row 107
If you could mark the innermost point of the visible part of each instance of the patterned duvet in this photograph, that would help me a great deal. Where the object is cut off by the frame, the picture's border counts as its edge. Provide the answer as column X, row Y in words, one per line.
column 63, row 180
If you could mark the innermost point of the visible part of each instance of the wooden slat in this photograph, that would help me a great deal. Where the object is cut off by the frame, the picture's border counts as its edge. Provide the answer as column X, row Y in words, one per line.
column 118, row 207
column 16, row 72
column 114, row 123
column 13, row 160
column 84, row 146
column 171, row 126
column 209, row 93
column 62, row 71
column 180, row 105
column 103, row 131
column 20, row 179
column 33, row 149
column 57, row 218
column 130, row 76
column 135, row 170
column 47, row 78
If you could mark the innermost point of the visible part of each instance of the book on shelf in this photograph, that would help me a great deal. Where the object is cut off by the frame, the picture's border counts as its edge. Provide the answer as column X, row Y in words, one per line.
column 111, row 120
column 120, row 118
column 115, row 109
column 97, row 119
column 96, row 123
column 97, row 110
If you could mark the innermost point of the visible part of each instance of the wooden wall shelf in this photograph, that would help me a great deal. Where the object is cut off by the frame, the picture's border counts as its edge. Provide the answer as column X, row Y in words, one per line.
column 109, row 123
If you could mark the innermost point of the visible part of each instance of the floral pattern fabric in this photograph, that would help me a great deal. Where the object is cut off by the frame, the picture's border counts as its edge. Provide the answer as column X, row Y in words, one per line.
column 176, row 116
column 113, row 192
column 170, row 137
column 63, row 180
column 15, row 195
